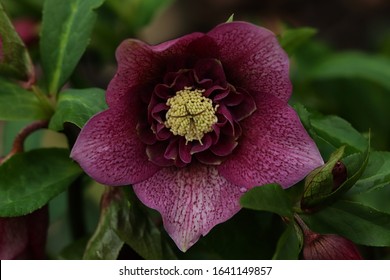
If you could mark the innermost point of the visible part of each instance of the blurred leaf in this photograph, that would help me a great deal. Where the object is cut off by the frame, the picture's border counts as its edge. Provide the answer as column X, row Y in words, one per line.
column 105, row 244
column 29, row 180
column 137, row 13
column 290, row 244
column 270, row 198
column 292, row 39
column 359, row 223
column 17, row 103
column 65, row 34
column 74, row 251
column 354, row 65
column 15, row 61
column 376, row 174
column 247, row 235
column 137, row 230
column 319, row 183
column 77, row 106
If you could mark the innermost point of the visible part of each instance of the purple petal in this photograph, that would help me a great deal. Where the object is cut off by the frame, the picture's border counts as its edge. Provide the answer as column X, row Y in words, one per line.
column 191, row 200
column 274, row 148
column 253, row 58
column 141, row 64
column 109, row 150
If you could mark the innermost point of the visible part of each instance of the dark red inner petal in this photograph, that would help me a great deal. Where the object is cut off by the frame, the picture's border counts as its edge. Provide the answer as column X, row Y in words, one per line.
column 233, row 105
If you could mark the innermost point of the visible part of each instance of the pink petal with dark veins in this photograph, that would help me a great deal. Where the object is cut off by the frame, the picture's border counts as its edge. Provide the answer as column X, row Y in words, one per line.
column 191, row 200
column 274, row 148
column 253, row 59
column 109, row 150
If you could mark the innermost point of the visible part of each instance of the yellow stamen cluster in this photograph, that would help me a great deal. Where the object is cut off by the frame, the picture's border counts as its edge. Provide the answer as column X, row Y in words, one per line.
column 191, row 114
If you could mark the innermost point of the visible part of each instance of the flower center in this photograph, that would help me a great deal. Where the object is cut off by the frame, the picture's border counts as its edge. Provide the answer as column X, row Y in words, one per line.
column 191, row 114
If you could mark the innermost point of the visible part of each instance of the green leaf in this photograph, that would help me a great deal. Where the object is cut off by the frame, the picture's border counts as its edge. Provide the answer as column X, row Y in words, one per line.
column 77, row 106
column 331, row 132
column 354, row 65
column 15, row 61
column 230, row 19
column 137, row 13
column 360, row 223
column 376, row 174
column 105, row 244
column 136, row 229
column 270, row 198
column 65, row 34
column 29, row 180
column 290, row 243
column 292, row 39
column 319, row 183
column 19, row 104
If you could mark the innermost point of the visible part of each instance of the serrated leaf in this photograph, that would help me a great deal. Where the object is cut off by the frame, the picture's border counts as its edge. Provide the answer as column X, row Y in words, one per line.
column 105, row 244
column 65, row 34
column 77, row 106
column 30, row 180
column 319, row 183
column 360, row 223
column 19, row 104
column 15, row 61
column 292, row 39
column 270, row 198
column 289, row 244
column 354, row 65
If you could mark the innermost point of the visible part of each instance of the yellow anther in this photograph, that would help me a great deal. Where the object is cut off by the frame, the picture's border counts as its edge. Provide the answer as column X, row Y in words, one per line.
column 191, row 114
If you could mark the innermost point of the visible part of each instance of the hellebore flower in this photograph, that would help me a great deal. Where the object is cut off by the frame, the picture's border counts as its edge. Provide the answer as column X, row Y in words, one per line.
column 195, row 122
column 24, row 237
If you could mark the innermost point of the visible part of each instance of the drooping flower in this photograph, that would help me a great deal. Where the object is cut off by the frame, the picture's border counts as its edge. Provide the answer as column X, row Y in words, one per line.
column 329, row 247
column 24, row 237
column 195, row 122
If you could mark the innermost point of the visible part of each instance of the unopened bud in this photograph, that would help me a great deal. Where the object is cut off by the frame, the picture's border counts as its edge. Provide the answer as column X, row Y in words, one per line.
column 328, row 247
column 340, row 174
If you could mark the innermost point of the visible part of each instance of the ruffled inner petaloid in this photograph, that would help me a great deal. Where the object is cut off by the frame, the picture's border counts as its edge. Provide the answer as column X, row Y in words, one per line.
column 232, row 105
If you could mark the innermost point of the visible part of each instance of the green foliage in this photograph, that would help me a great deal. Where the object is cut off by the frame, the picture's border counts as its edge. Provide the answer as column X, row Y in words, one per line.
column 105, row 243
column 290, row 243
column 30, row 180
column 19, row 104
column 354, row 65
column 15, row 61
column 358, row 222
column 270, row 198
column 77, row 106
column 292, row 39
column 136, row 13
column 66, row 31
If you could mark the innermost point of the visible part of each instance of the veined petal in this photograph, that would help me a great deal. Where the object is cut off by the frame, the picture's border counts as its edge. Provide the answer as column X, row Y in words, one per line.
column 274, row 148
column 109, row 150
column 253, row 59
column 191, row 200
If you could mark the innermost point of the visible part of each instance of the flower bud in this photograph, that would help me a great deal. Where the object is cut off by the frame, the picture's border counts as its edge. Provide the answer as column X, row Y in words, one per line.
column 24, row 237
column 340, row 174
column 328, row 247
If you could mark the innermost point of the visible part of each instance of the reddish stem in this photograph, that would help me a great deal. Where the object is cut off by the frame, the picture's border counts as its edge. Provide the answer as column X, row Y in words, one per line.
column 18, row 144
